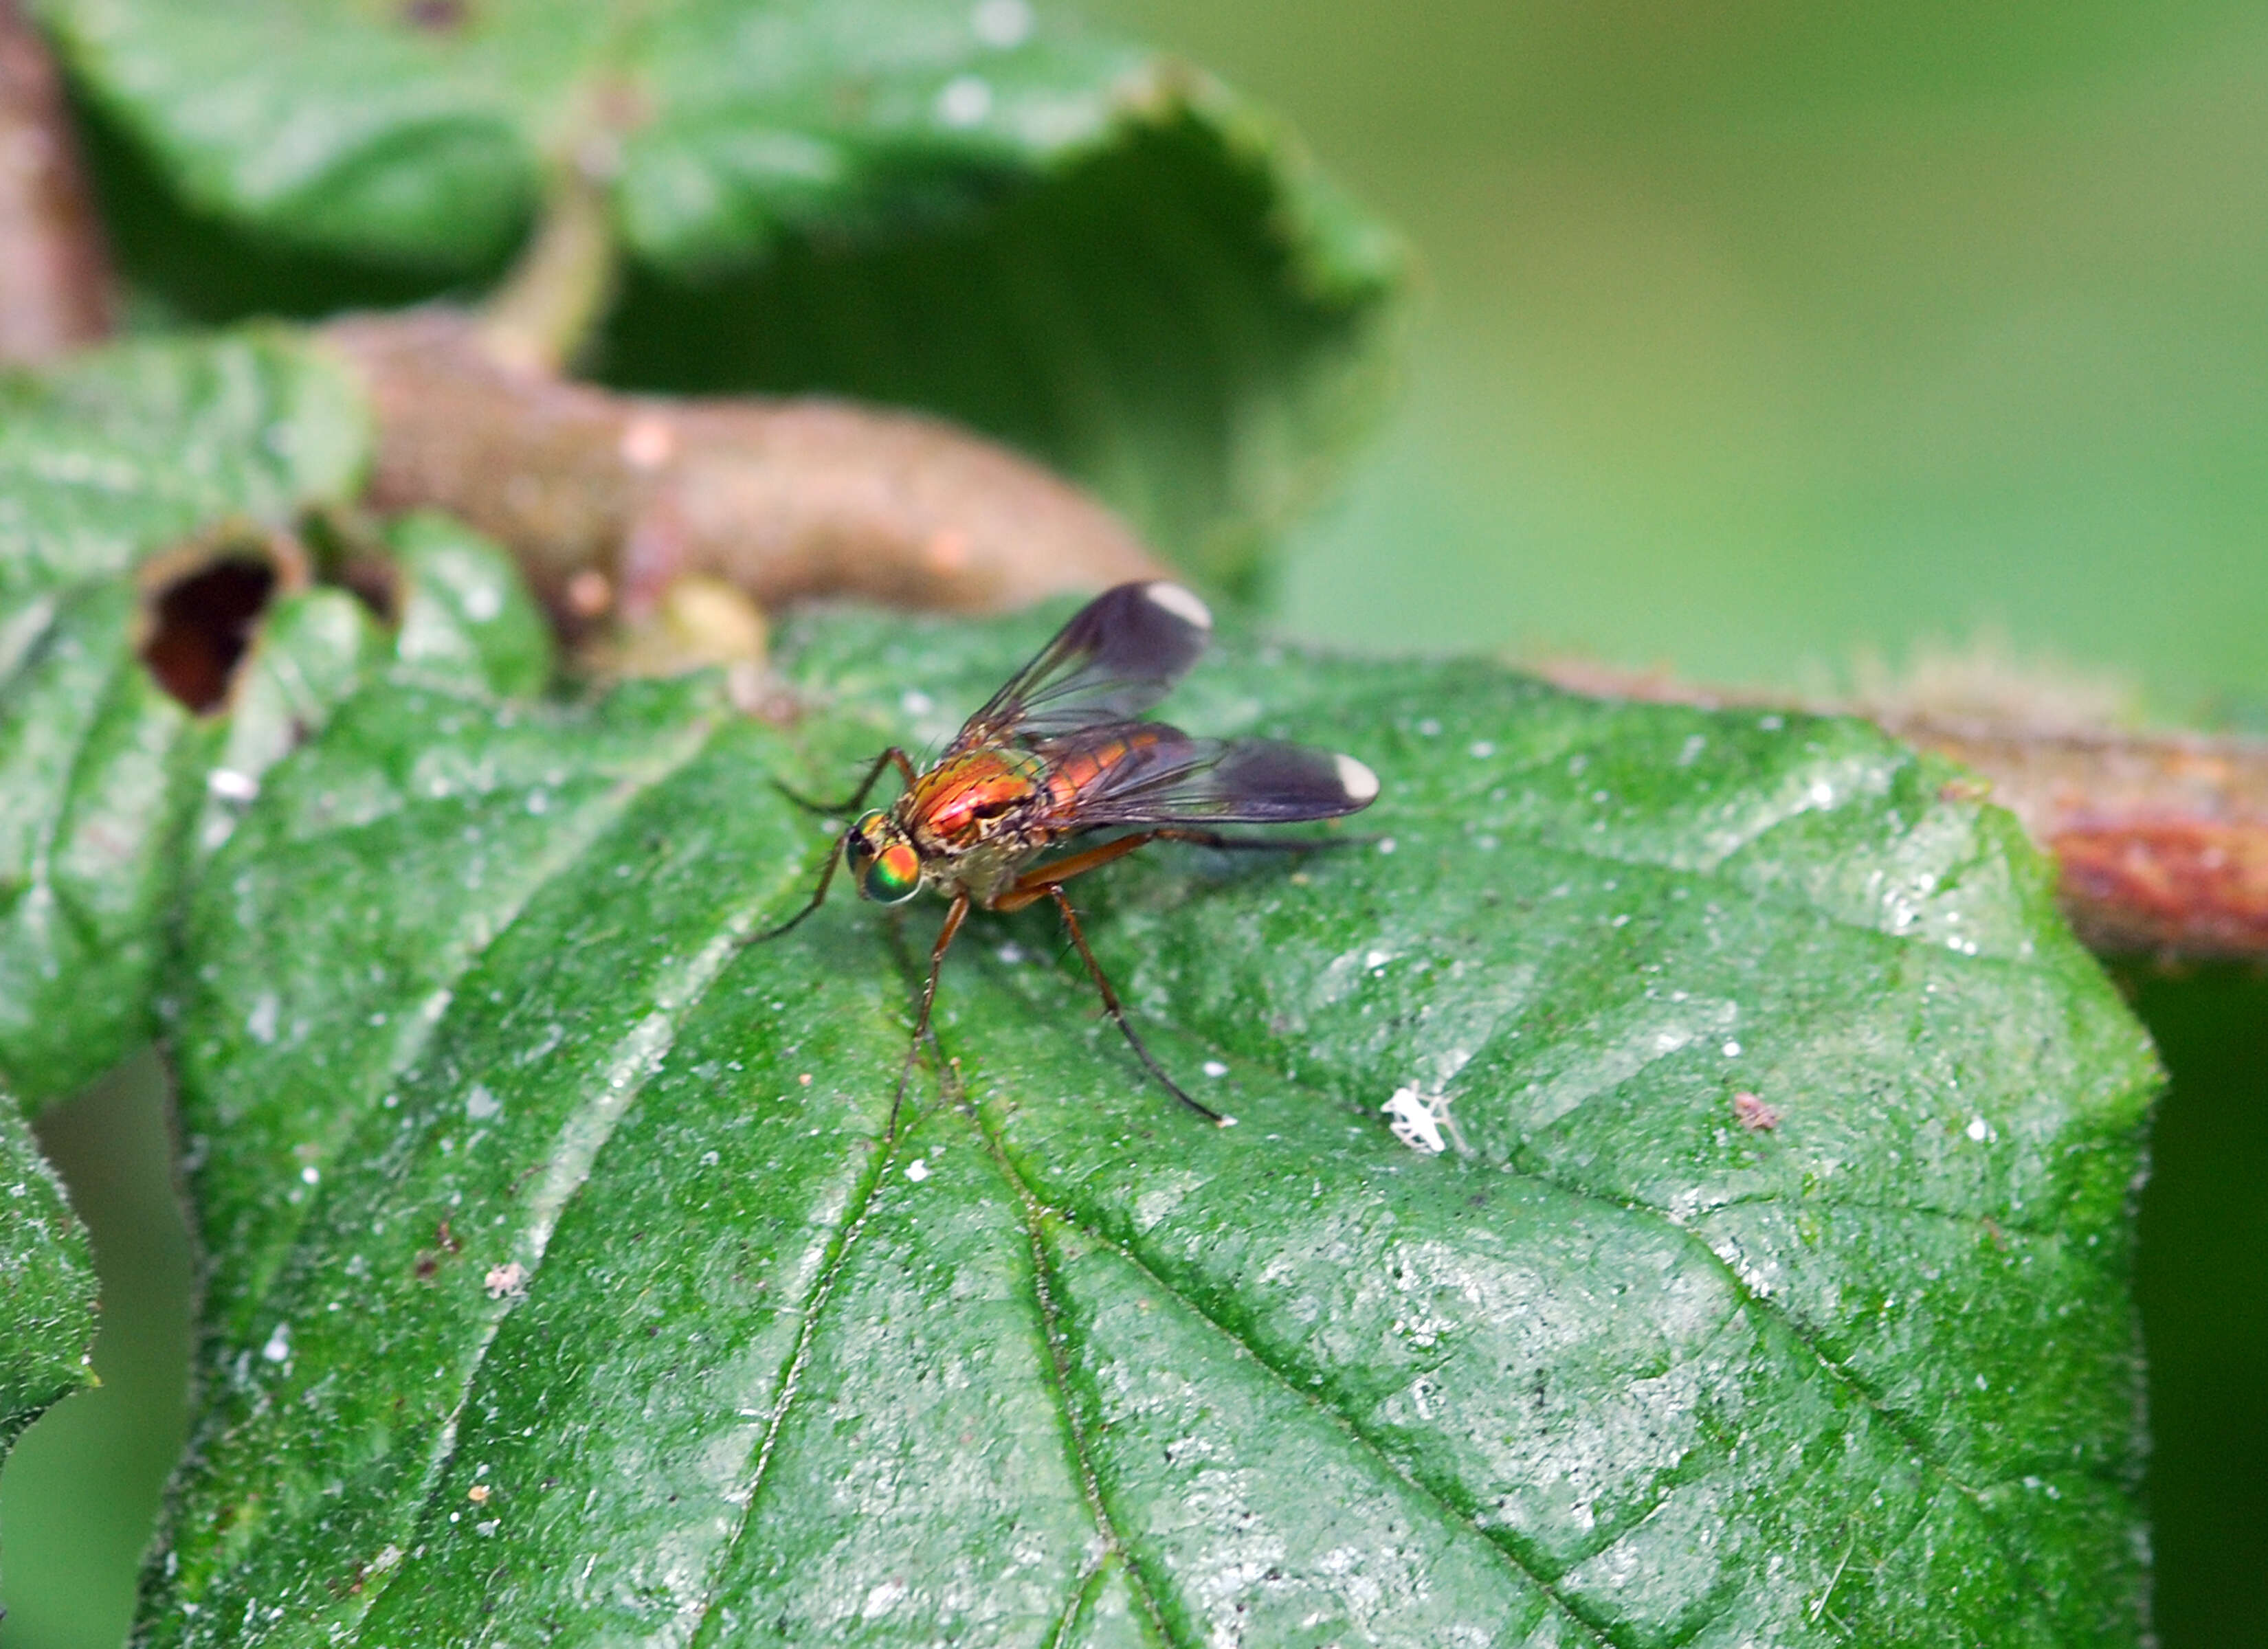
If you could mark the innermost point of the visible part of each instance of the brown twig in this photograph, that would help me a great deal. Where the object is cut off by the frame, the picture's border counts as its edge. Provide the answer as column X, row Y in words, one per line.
column 55, row 270
column 609, row 499
column 2162, row 838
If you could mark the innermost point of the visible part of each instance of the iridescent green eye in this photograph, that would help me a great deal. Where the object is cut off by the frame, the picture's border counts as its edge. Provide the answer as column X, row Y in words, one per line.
column 887, row 868
column 894, row 875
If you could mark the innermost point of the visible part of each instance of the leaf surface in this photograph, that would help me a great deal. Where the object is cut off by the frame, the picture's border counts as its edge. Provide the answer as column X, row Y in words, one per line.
column 105, row 464
column 569, row 1282
column 46, row 1284
column 1074, row 244
column 114, row 469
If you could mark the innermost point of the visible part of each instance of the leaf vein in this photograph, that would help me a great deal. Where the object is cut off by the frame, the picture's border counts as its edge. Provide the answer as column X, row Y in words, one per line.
column 1029, row 1209
column 1599, row 1631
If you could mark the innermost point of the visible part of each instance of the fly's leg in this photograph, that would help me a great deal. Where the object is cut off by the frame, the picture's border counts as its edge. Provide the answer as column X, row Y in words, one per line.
column 1045, row 882
column 953, row 916
column 818, row 898
column 1118, row 1013
column 893, row 756
column 834, row 854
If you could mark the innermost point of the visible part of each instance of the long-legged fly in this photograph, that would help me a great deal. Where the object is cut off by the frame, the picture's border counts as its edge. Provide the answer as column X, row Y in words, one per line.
column 1061, row 752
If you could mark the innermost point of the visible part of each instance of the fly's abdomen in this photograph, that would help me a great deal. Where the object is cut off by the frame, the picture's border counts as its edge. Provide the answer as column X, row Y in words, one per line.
column 1082, row 768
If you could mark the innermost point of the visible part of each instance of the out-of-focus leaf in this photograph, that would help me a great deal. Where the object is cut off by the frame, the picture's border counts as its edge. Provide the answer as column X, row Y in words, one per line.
column 968, row 205
column 109, row 786
column 465, row 617
column 46, row 1284
column 103, row 464
column 569, row 1286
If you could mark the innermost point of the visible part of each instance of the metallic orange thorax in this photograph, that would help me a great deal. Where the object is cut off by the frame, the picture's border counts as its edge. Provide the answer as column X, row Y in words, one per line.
column 974, row 798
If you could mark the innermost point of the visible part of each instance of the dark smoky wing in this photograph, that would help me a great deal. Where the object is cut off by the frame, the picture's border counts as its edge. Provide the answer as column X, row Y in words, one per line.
column 1116, row 657
column 1177, row 779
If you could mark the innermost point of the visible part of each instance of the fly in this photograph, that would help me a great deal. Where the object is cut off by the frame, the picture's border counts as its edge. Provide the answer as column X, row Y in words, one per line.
column 1059, row 754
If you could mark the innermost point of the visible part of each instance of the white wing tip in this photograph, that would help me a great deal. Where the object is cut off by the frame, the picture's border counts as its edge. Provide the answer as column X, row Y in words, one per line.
column 1359, row 783
column 1181, row 602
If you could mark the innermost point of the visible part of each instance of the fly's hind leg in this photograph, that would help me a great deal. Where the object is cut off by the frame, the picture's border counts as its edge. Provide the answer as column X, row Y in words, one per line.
column 1023, row 895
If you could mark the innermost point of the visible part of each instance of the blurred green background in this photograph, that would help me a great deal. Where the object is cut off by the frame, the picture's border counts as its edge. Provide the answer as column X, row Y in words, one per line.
column 1755, row 340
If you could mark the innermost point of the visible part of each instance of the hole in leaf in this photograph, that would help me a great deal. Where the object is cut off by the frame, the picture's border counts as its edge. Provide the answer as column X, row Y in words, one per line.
column 201, row 624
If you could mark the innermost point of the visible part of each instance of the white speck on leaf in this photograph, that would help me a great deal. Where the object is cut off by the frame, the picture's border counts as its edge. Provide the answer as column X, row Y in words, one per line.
column 1422, row 1122
column 1214, row 1068
column 260, row 1024
column 511, row 1278
column 278, row 1348
column 917, row 1170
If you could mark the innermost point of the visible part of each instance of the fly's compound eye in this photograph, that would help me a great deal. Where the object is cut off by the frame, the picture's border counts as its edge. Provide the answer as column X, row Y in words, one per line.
column 893, row 877
column 887, row 868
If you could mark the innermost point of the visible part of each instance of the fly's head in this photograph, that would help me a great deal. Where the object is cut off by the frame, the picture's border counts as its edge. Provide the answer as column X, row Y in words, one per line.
column 883, row 859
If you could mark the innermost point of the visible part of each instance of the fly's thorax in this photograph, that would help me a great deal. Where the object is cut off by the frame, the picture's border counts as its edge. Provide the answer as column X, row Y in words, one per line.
column 979, row 799
column 882, row 857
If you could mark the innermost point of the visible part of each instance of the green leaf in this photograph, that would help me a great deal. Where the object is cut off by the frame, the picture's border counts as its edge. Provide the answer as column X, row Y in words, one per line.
column 466, row 617
column 568, row 1283
column 104, row 464
column 1084, row 248
column 46, row 1284
column 110, row 788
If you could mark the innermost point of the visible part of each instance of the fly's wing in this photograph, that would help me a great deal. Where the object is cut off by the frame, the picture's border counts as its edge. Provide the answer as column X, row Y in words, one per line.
column 1118, row 657
column 1146, row 773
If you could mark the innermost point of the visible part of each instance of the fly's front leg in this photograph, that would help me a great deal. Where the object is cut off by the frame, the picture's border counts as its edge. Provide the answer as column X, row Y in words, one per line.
column 834, row 853
column 818, row 898
column 955, row 913
column 893, row 756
